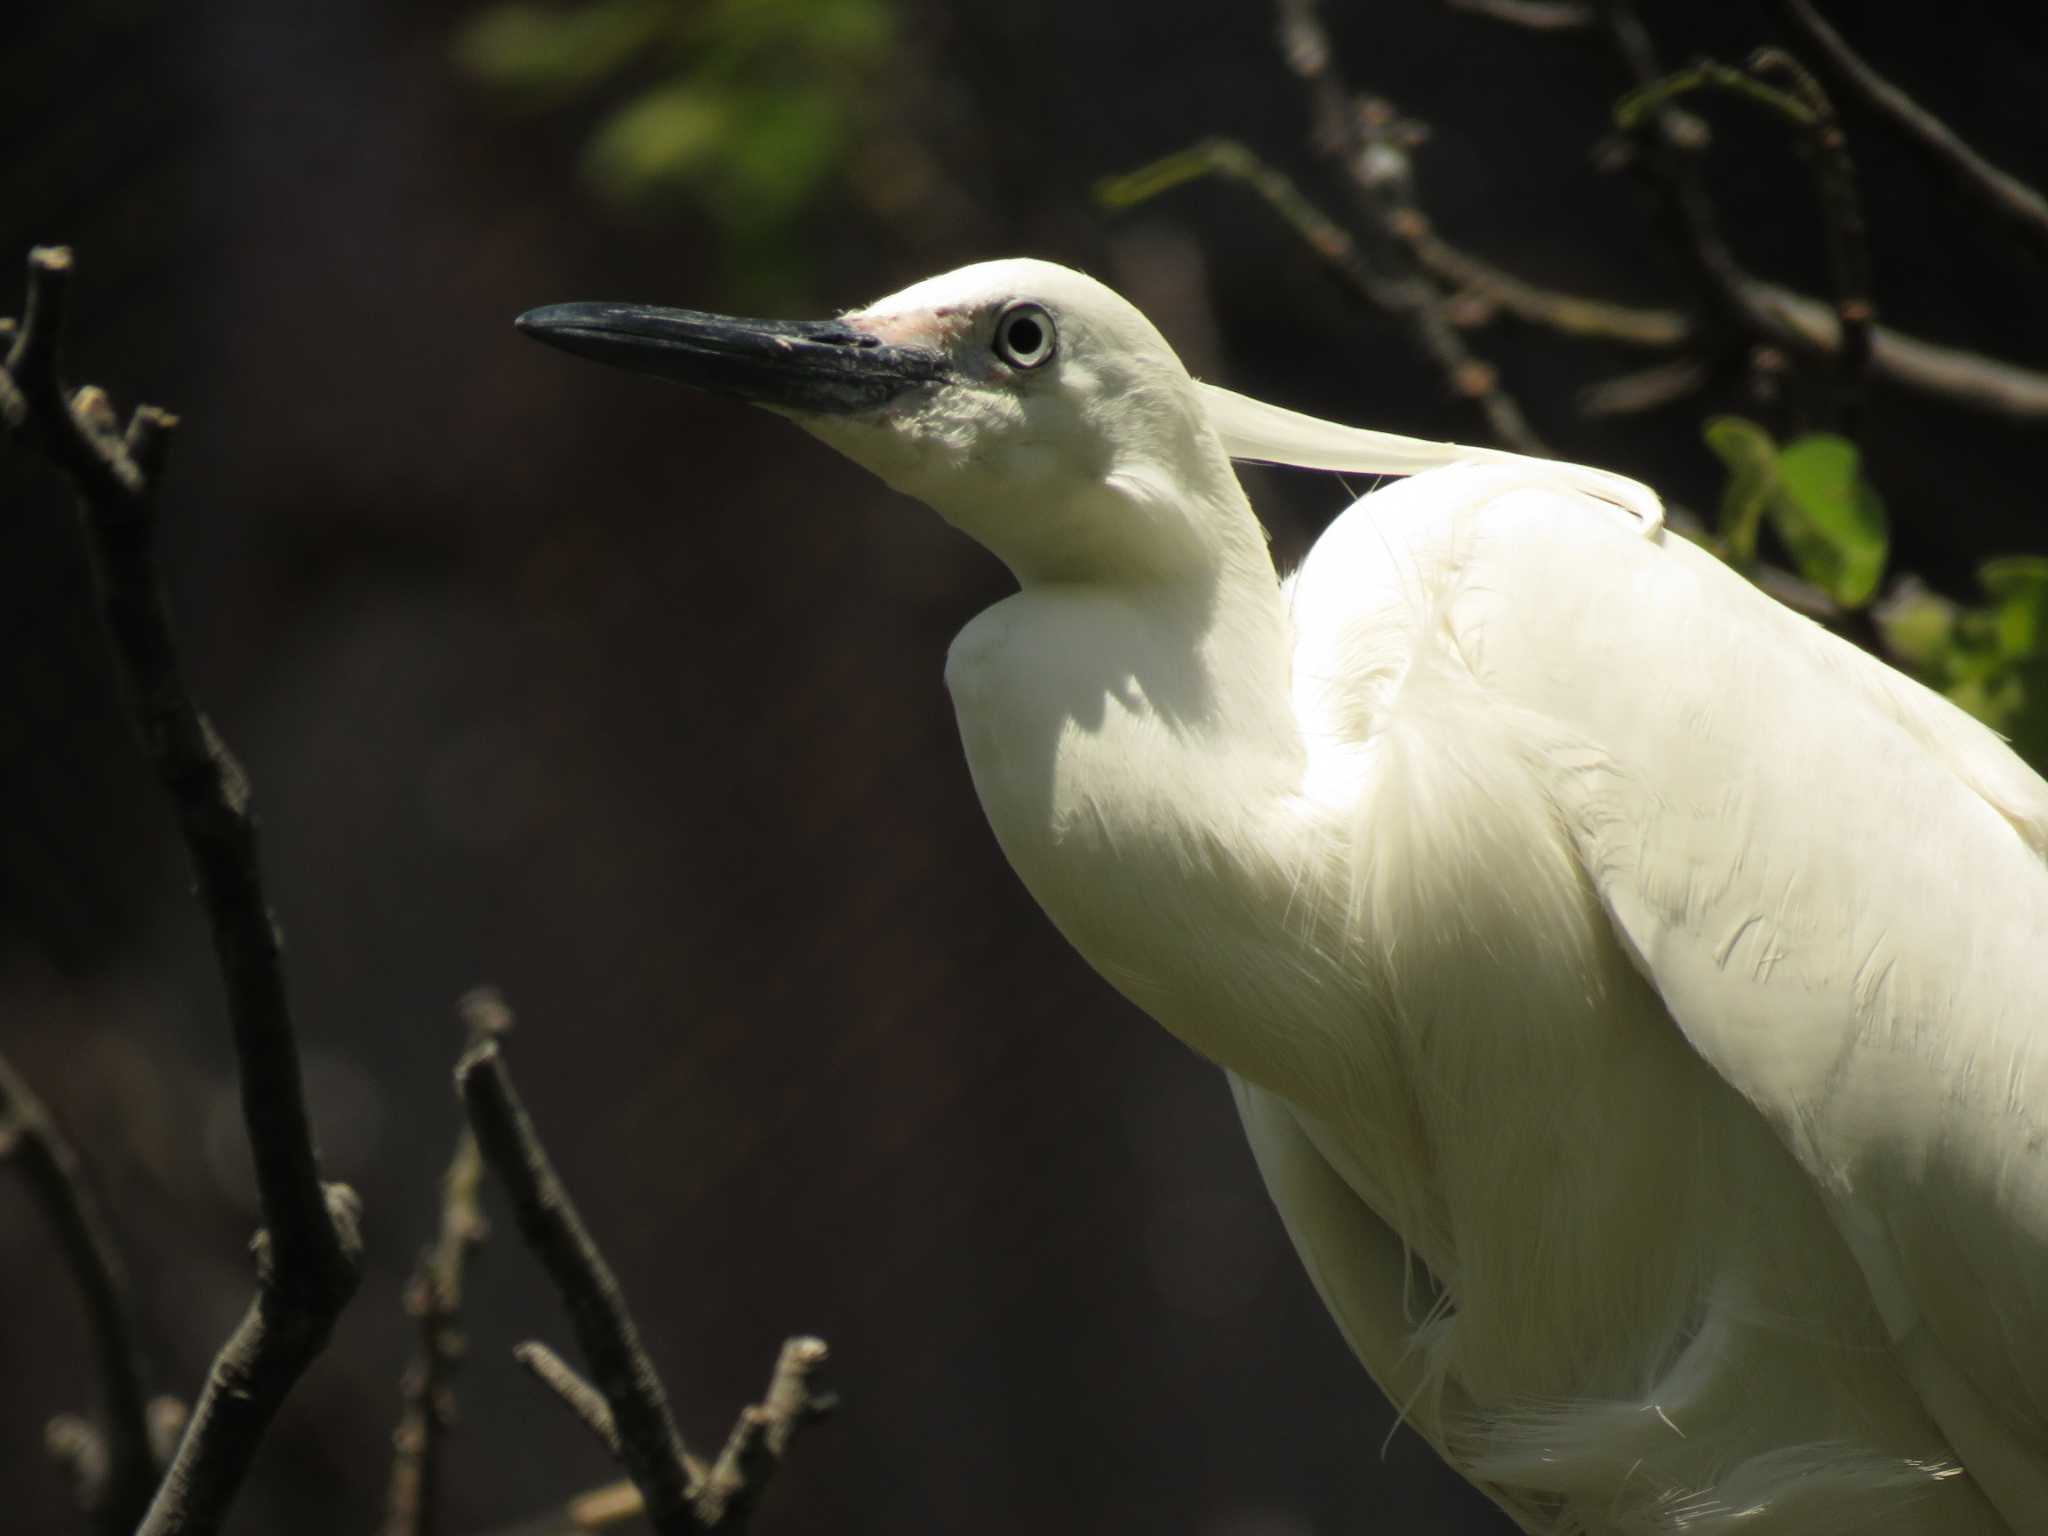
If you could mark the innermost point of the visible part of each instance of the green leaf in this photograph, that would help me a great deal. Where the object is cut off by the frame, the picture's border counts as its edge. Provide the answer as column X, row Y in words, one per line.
column 552, row 52
column 2019, row 586
column 842, row 31
column 783, row 145
column 1829, row 518
column 1919, row 629
column 661, row 138
column 1752, row 460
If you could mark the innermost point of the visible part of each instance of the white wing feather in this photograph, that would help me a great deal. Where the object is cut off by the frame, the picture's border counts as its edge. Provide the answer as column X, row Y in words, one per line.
column 1833, row 879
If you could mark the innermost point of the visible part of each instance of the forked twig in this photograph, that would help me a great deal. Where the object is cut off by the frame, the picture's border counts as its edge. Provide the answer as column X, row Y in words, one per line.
column 624, row 1403
column 433, row 1296
column 114, row 1468
column 1804, row 105
column 1367, row 143
column 1535, row 15
column 2023, row 206
column 309, row 1252
column 571, row 1391
column 648, row 1443
column 1568, row 314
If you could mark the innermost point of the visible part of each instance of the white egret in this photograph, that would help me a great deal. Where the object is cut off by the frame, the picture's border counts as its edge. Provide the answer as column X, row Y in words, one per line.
column 1633, row 994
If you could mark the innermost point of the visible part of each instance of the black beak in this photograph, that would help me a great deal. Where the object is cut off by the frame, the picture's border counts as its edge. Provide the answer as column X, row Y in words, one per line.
column 823, row 366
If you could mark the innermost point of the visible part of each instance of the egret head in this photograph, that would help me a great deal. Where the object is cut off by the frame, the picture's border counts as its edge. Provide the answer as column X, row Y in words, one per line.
column 1031, row 406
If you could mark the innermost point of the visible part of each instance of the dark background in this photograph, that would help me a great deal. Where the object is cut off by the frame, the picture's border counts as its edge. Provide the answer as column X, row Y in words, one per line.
column 629, row 702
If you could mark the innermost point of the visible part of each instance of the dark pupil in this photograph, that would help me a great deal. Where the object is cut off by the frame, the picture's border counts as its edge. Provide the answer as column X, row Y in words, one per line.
column 1025, row 336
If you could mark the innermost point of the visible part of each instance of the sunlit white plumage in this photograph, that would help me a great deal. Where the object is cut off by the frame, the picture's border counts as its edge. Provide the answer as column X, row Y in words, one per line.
column 1631, row 992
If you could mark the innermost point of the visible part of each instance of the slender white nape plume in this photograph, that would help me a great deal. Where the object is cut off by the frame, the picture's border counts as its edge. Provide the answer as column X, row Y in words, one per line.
column 1255, row 432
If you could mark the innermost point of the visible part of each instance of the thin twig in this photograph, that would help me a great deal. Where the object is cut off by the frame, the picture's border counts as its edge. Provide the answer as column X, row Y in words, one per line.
column 1733, row 311
column 1654, row 96
column 1834, row 175
column 2006, row 195
column 1969, row 379
column 649, row 1445
column 1370, row 147
column 1926, row 367
column 571, row 1391
column 114, row 1471
column 434, row 1297
column 1806, row 107
column 309, row 1253
column 1741, row 303
column 760, row 1436
column 1535, row 15
column 624, row 1404
column 1567, row 313
column 1647, row 389
column 595, row 1509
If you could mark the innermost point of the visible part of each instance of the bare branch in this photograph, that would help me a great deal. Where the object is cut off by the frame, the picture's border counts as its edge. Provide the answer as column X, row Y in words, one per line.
column 1567, row 313
column 1371, row 147
column 1970, row 379
column 1655, row 96
column 571, row 1390
column 624, row 1405
column 597, row 1509
column 1792, row 320
column 113, row 1471
column 434, row 1297
column 1670, row 156
column 1647, row 389
column 1842, row 217
column 760, row 1436
column 1740, row 301
column 309, row 1252
column 648, row 1443
column 1926, row 367
column 1535, row 15
column 1806, row 106
column 2006, row 195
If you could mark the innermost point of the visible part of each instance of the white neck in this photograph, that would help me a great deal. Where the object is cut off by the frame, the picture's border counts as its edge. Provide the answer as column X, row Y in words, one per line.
column 1124, row 736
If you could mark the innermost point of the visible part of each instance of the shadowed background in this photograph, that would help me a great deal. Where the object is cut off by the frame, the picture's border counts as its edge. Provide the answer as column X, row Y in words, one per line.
column 628, row 701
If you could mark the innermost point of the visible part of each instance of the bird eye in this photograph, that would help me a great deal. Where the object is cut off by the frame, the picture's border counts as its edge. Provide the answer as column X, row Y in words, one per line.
column 1024, row 334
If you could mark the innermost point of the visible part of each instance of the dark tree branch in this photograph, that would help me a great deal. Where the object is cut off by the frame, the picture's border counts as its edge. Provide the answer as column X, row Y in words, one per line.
column 624, row 1404
column 1947, row 373
column 1842, row 217
column 1646, row 389
column 1925, row 367
column 596, row 1509
column 649, row 1445
column 115, row 1470
column 760, row 1436
column 2007, row 196
column 1371, row 147
column 1535, row 15
column 1669, row 152
column 308, row 1255
column 1848, row 339
column 1655, row 97
column 434, row 1297
column 571, row 1391
column 1806, row 107
column 1568, row 314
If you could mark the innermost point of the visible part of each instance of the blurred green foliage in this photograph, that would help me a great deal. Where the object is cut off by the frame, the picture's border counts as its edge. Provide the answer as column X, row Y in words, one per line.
column 1828, row 517
column 1992, row 658
column 744, row 108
